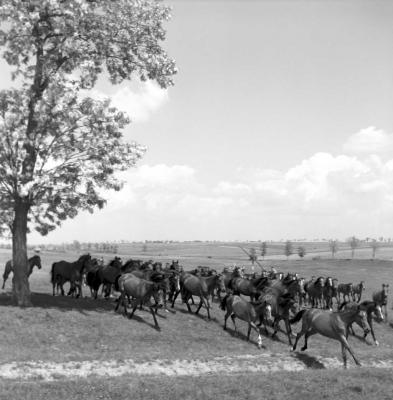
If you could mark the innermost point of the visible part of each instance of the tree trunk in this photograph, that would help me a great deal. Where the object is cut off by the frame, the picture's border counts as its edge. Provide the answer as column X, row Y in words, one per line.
column 20, row 282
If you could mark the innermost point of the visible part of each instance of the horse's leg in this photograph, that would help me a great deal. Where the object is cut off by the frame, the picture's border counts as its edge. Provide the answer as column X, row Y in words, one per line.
column 289, row 330
column 233, row 317
column 258, row 331
column 345, row 344
column 275, row 325
column 228, row 313
column 370, row 322
column 133, row 310
column 306, row 336
column 199, row 306
column 155, row 318
column 175, row 297
column 344, row 355
column 299, row 335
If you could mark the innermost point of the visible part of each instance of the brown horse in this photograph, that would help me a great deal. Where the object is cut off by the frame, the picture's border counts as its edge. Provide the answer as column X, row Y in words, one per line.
column 381, row 298
column 331, row 324
column 357, row 291
column 314, row 289
column 250, row 312
column 64, row 271
column 191, row 285
column 345, row 289
column 109, row 274
column 371, row 307
column 140, row 290
column 32, row 262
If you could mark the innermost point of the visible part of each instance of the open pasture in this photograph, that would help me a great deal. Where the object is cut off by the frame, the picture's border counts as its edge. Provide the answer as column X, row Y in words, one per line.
column 67, row 330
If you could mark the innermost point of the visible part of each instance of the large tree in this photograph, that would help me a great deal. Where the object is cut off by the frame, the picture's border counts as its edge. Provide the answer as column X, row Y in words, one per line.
column 59, row 148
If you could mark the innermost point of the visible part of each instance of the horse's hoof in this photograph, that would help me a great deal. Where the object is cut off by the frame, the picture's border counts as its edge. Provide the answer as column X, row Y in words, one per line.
column 376, row 343
column 303, row 348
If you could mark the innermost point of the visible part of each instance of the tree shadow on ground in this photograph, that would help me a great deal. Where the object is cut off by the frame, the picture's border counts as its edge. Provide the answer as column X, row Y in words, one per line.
column 63, row 303
column 308, row 361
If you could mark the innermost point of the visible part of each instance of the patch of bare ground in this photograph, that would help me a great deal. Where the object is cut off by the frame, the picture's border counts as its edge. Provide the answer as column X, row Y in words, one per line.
column 262, row 363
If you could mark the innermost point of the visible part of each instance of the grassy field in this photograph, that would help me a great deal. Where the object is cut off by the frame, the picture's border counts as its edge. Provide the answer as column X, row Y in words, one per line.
column 62, row 329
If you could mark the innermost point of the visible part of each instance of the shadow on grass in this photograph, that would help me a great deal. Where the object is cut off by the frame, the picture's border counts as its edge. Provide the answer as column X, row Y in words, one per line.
column 242, row 336
column 63, row 303
column 201, row 315
column 308, row 361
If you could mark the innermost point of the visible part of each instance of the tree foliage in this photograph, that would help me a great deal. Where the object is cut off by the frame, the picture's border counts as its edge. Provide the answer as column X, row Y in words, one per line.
column 60, row 148
column 301, row 251
column 333, row 245
column 263, row 249
column 57, row 145
column 354, row 243
column 288, row 248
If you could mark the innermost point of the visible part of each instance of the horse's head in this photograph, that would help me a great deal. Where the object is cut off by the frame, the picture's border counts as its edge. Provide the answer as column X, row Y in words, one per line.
column 362, row 285
column 220, row 284
column 37, row 261
column 361, row 319
column 378, row 313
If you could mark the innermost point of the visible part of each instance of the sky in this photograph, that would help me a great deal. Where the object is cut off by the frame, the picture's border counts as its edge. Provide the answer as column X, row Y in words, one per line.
column 279, row 126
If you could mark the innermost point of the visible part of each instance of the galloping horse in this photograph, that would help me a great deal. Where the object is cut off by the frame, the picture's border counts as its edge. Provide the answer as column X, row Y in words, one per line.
column 370, row 307
column 331, row 324
column 191, row 285
column 64, row 271
column 248, row 287
column 141, row 290
column 381, row 298
column 32, row 262
column 246, row 311
column 328, row 292
column 357, row 291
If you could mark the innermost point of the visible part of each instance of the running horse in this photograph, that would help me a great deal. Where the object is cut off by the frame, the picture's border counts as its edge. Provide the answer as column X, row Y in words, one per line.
column 381, row 298
column 141, row 291
column 64, row 271
column 32, row 262
column 371, row 307
column 191, row 285
column 315, row 290
column 357, row 291
column 330, row 324
column 250, row 312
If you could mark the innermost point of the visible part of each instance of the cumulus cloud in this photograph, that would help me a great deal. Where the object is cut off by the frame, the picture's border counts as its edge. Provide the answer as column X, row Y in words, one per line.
column 369, row 141
column 324, row 195
column 139, row 99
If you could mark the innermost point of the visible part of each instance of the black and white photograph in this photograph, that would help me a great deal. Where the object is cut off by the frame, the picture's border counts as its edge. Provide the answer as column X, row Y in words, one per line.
column 196, row 199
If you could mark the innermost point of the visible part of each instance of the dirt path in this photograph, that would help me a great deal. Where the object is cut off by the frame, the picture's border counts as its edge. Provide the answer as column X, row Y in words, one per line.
column 267, row 362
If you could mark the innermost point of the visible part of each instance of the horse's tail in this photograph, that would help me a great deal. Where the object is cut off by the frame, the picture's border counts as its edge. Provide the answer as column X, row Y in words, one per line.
column 52, row 275
column 223, row 304
column 297, row 317
column 342, row 305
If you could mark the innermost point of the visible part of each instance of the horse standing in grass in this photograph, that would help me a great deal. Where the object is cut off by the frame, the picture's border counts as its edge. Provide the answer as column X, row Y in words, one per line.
column 331, row 324
column 32, row 262
column 64, row 271
column 314, row 290
column 328, row 290
column 357, row 291
column 250, row 312
column 345, row 289
column 371, row 307
column 381, row 298
column 141, row 291
column 109, row 274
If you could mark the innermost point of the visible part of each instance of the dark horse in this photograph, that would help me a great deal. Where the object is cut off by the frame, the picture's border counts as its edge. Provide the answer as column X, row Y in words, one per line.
column 64, row 271
column 32, row 262
column 249, row 312
column 331, row 324
column 370, row 307
column 191, row 285
column 140, row 290
column 381, row 298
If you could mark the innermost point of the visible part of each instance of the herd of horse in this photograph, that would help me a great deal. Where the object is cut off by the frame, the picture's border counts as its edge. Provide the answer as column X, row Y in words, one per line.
column 265, row 299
